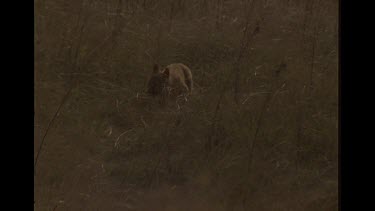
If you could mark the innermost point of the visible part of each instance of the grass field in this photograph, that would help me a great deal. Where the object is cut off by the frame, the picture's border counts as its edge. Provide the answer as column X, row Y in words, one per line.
column 259, row 132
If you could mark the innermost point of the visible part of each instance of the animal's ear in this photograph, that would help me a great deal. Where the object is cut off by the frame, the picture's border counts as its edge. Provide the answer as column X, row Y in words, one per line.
column 166, row 72
column 155, row 69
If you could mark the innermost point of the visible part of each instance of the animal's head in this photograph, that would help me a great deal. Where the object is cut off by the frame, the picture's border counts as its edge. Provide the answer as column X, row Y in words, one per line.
column 158, row 81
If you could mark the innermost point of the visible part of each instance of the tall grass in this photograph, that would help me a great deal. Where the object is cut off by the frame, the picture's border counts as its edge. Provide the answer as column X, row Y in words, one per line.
column 258, row 133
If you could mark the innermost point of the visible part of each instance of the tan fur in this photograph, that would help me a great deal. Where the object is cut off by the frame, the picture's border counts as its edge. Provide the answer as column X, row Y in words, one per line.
column 175, row 78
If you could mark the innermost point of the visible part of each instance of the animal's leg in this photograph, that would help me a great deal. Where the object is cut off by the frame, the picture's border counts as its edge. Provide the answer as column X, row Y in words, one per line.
column 189, row 84
column 186, row 88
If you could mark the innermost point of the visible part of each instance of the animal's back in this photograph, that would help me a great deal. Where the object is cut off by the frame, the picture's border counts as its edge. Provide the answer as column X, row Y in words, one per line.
column 180, row 73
